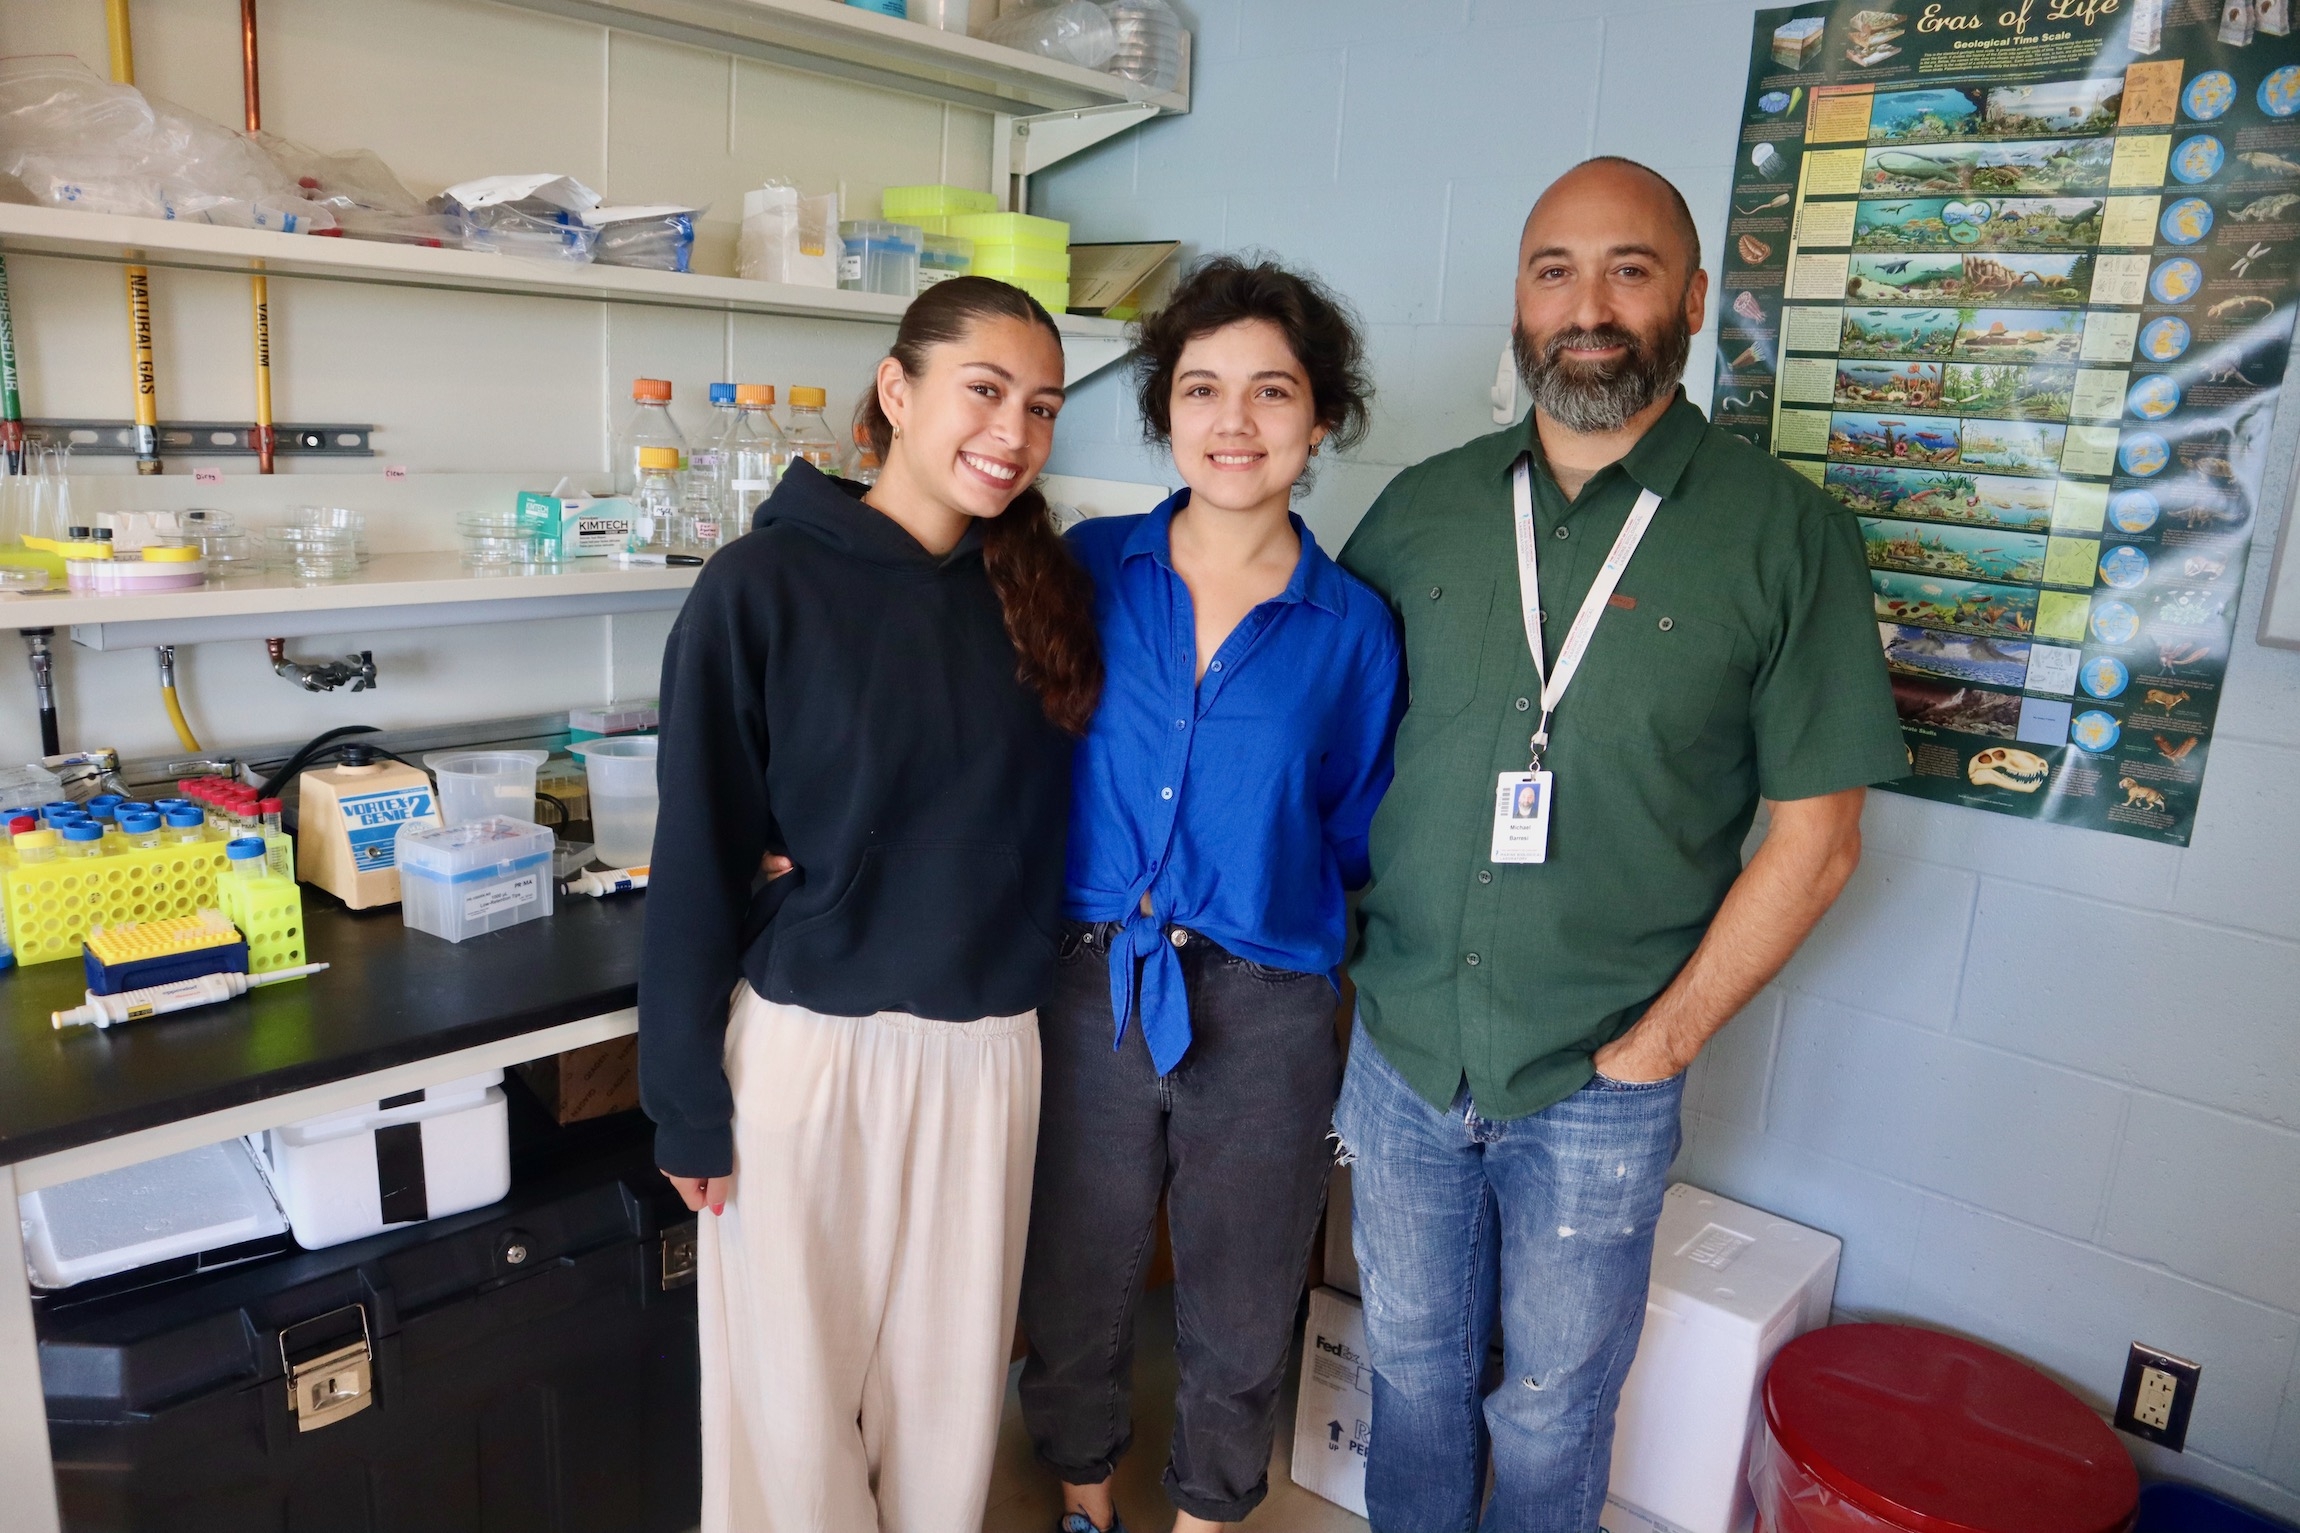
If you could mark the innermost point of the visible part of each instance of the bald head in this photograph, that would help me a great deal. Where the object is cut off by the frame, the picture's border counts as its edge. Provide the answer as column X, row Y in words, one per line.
column 1614, row 182
column 1610, row 292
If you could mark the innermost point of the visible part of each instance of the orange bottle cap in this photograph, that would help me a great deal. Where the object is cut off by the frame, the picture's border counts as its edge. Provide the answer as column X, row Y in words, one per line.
column 656, row 391
column 754, row 393
column 804, row 398
column 659, row 457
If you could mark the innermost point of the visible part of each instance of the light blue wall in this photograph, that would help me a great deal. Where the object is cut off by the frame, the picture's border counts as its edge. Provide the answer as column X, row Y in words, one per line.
column 2045, row 1084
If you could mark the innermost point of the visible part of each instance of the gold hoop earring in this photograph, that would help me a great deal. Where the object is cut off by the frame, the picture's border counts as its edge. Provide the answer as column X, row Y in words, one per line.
column 898, row 431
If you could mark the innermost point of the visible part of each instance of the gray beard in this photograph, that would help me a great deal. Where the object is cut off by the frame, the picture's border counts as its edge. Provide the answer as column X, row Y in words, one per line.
column 1595, row 400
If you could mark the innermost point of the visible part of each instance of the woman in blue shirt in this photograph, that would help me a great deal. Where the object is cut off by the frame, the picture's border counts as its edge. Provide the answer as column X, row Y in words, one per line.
column 1220, row 807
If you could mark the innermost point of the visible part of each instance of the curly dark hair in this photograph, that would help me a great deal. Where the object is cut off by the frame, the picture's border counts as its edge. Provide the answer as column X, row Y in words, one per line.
column 1224, row 291
column 1043, row 596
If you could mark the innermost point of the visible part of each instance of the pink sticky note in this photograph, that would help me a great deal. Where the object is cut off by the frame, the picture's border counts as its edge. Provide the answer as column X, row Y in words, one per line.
column 207, row 476
column 396, row 472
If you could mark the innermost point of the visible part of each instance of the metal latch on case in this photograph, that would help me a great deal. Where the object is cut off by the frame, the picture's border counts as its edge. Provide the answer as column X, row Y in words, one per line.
column 679, row 1256
column 337, row 1383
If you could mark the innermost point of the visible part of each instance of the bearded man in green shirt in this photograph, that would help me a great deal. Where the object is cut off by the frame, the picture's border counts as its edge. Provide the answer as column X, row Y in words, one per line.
column 1559, row 917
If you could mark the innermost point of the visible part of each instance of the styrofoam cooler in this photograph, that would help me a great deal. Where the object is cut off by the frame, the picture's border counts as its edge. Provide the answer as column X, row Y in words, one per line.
column 397, row 1161
column 1732, row 1285
column 187, row 1204
column 1333, row 1416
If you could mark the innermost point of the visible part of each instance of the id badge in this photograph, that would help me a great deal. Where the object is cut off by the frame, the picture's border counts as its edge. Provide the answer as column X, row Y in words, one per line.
column 1521, row 817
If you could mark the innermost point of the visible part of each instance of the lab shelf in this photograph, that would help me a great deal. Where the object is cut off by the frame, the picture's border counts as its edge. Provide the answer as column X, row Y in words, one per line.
column 1089, row 344
column 848, row 42
column 395, row 591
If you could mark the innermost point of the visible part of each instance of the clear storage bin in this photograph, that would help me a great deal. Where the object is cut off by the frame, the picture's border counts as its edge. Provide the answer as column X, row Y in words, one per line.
column 459, row 881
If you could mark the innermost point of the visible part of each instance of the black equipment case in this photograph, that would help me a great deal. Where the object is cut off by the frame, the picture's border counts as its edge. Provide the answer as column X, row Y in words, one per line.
column 529, row 1367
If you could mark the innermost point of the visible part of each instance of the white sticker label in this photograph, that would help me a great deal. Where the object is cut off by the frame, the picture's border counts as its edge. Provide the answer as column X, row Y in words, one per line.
column 207, row 476
column 523, row 890
column 850, row 268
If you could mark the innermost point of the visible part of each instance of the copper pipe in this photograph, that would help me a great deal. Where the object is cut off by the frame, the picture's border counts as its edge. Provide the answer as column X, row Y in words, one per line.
column 249, row 90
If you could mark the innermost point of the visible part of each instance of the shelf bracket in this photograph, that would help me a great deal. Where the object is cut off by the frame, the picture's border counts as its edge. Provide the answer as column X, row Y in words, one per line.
column 1047, row 138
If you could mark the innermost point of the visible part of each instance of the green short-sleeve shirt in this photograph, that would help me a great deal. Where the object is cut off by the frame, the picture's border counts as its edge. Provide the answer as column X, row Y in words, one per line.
column 1739, row 659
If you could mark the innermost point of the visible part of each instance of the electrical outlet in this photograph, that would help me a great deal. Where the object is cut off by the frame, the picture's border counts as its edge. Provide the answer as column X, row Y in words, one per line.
column 2159, row 1392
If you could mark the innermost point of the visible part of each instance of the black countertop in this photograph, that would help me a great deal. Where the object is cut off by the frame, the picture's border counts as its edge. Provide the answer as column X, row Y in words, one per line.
column 392, row 997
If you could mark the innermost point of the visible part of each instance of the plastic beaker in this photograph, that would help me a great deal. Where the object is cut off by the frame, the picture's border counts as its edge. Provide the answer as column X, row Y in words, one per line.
column 621, row 770
column 474, row 785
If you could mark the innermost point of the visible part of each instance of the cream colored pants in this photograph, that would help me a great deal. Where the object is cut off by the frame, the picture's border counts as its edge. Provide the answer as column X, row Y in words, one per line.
column 857, row 1296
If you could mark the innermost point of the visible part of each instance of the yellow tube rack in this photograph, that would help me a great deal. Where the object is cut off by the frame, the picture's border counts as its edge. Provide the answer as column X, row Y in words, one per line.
column 52, row 905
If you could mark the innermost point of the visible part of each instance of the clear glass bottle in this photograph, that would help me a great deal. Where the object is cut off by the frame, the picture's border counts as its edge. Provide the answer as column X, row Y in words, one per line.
column 807, row 435
column 650, row 425
column 707, row 465
column 655, row 504
column 756, row 459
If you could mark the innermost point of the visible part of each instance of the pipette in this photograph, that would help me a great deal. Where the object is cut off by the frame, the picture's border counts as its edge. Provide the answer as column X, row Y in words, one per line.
column 613, row 881
column 182, row 995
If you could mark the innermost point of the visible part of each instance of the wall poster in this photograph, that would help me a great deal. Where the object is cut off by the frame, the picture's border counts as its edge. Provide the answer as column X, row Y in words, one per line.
column 2014, row 281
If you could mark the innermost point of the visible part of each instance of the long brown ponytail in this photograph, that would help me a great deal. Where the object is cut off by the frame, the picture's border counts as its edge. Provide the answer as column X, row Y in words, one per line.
column 1043, row 595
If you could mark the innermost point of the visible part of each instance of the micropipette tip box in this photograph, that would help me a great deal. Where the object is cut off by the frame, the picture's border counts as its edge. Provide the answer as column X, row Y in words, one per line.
column 136, row 955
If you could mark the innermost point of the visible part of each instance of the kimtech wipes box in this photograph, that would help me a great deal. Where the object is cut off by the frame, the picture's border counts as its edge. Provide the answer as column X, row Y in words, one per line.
column 1335, row 1413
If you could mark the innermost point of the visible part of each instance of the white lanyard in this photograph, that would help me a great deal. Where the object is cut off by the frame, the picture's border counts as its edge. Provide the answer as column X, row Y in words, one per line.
column 1584, row 627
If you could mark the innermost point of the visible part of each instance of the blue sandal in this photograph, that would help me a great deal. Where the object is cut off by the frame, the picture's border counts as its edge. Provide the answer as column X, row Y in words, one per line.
column 1079, row 1522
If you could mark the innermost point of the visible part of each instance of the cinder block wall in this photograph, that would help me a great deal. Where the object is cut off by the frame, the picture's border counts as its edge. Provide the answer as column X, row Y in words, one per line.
column 2044, row 1083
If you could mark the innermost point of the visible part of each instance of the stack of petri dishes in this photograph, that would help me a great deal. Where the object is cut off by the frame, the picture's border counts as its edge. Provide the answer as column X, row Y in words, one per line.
column 228, row 548
column 312, row 554
column 1149, row 43
column 503, row 543
column 336, row 516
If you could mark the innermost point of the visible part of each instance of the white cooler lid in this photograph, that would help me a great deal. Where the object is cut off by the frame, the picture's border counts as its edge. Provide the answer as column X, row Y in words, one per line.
column 178, row 1205
column 447, row 1096
column 1737, row 1263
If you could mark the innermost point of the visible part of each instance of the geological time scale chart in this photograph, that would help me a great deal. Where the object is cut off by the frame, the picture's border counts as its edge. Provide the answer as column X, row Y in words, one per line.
column 2014, row 283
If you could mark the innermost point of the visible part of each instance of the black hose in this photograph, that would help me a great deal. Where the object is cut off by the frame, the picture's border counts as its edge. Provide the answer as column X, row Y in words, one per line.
column 310, row 751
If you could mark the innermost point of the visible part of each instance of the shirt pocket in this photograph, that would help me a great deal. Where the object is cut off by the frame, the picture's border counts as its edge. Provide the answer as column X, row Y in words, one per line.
column 1445, row 626
column 1650, row 680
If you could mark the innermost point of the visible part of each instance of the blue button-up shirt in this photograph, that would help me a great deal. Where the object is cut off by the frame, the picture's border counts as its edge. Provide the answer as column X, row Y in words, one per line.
column 1240, row 804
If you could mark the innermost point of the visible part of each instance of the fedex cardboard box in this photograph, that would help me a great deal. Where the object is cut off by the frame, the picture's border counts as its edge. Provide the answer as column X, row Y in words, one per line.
column 1336, row 1410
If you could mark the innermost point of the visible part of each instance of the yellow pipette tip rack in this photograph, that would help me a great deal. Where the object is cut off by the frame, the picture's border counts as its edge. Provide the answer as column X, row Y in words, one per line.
column 137, row 940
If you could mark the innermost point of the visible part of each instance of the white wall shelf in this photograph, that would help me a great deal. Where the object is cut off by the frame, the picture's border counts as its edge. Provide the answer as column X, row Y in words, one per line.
column 828, row 38
column 1089, row 344
column 395, row 591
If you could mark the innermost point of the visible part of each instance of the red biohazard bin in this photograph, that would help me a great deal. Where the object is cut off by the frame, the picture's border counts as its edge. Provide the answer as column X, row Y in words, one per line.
column 1891, row 1429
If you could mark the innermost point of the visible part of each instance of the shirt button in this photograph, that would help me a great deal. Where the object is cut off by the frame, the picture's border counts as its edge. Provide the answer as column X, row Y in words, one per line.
column 1561, row 532
column 1217, row 665
column 1181, row 723
column 1668, row 623
column 1485, row 875
column 1165, row 792
column 1436, row 592
column 1473, row 960
column 1523, row 704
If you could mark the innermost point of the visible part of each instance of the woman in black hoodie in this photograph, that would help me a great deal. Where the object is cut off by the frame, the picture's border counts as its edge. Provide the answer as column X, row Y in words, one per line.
column 876, row 691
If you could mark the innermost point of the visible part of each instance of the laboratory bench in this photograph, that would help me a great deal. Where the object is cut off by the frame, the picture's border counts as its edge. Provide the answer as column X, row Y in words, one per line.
column 396, row 1011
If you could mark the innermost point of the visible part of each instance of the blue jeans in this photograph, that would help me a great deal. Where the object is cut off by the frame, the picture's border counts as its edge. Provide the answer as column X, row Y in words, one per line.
column 1543, row 1224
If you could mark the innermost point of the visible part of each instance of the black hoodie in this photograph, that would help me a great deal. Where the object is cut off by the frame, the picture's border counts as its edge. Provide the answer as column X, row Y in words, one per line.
column 833, row 691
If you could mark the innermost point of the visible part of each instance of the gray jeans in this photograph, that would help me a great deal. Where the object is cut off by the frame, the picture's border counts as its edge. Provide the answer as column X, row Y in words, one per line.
column 1236, row 1137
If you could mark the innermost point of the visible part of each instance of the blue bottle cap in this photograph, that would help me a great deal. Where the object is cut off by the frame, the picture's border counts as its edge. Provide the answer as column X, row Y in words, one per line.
column 722, row 393
column 106, row 800
column 82, row 830
column 244, row 848
column 186, row 819
column 131, row 806
column 99, row 810
column 139, row 824
column 57, row 806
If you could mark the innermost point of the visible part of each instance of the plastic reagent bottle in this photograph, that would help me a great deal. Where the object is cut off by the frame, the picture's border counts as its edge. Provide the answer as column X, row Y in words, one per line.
column 650, row 425
column 279, row 846
column 142, row 830
column 808, row 435
column 82, row 838
column 187, row 825
column 655, row 507
column 247, row 857
column 36, row 846
column 756, row 456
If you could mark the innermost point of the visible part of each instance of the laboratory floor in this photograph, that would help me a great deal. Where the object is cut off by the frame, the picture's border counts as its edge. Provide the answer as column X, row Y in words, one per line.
column 1024, row 1498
